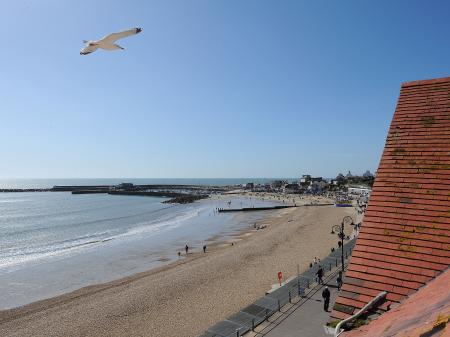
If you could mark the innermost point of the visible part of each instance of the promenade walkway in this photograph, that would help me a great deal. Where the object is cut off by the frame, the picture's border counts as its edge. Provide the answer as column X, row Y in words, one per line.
column 298, row 303
column 305, row 317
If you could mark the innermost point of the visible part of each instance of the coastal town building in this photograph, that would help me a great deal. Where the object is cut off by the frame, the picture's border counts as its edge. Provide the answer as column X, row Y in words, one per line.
column 278, row 184
column 404, row 241
column 291, row 188
column 316, row 186
column 311, row 184
column 359, row 190
column 305, row 179
column 125, row 186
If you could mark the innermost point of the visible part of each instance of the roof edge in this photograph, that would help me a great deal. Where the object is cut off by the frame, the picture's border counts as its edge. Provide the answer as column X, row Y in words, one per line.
column 422, row 82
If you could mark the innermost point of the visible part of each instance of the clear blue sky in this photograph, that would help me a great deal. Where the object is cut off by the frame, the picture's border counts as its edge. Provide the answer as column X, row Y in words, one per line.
column 209, row 88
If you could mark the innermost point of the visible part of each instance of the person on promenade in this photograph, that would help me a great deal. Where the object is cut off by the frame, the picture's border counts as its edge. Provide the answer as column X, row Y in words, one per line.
column 339, row 280
column 326, row 298
column 186, row 248
column 204, row 249
column 319, row 275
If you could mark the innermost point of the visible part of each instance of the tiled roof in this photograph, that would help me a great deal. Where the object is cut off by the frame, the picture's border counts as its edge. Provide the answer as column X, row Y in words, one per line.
column 404, row 241
column 426, row 313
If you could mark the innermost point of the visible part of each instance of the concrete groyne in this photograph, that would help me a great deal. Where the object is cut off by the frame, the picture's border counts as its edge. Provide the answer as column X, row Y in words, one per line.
column 251, row 209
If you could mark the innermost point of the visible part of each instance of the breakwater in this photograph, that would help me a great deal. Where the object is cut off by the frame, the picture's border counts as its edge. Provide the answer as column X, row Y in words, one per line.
column 322, row 204
column 90, row 191
column 251, row 209
column 179, row 194
column 176, row 197
column 149, row 193
column 78, row 189
column 18, row 190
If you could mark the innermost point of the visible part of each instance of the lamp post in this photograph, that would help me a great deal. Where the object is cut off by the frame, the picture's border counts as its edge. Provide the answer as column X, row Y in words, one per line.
column 347, row 220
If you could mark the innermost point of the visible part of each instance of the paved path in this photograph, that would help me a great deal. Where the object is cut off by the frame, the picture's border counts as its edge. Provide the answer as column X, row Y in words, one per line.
column 305, row 318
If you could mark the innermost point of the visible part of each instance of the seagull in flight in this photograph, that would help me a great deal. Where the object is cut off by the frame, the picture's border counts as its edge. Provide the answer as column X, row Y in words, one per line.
column 107, row 43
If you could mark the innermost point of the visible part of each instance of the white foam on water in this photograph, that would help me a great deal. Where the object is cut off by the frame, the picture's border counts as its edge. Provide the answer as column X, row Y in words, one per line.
column 10, row 201
column 15, row 259
column 160, row 225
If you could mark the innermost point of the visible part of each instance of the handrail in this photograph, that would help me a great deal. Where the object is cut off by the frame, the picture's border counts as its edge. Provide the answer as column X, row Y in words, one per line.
column 337, row 331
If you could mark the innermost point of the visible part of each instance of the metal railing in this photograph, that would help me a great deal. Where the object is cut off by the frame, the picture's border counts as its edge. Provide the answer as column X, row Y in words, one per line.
column 250, row 317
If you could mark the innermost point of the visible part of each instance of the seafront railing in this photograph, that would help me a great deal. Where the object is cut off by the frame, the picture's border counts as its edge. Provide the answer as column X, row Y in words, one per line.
column 253, row 315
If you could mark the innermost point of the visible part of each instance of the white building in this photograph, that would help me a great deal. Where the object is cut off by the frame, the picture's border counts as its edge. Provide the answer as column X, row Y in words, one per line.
column 359, row 190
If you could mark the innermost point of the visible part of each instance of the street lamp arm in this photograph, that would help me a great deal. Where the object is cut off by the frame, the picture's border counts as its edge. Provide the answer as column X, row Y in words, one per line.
column 347, row 220
column 335, row 228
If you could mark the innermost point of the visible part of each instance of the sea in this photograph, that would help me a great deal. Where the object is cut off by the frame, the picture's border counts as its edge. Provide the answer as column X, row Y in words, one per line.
column 55, row 242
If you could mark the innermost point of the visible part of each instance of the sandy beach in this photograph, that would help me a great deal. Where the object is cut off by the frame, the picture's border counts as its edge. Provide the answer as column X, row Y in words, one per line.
column 186, row 297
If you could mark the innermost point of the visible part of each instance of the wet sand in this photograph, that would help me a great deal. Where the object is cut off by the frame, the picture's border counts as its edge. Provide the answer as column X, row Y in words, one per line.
column 186, row 297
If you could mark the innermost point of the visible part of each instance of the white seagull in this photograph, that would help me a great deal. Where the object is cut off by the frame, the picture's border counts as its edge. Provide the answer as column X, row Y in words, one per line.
column 107, row 42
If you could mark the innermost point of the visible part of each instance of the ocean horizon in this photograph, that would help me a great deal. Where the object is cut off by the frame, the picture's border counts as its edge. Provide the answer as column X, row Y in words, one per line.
column 24, row 183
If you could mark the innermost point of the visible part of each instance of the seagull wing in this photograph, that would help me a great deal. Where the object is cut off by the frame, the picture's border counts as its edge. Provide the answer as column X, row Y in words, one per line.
column 111, row 38
column 88, row 49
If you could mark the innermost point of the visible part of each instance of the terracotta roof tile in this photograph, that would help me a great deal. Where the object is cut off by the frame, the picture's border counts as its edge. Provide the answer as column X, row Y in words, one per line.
column 351, row 291
column 399, row 263
column 338, row 315
column 375, row 285
column 350, row 302
column 392, row 265
column 418, row 315
column 404, row 241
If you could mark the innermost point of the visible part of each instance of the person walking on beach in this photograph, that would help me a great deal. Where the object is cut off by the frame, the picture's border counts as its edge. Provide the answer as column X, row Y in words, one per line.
column 326, row 298
column 319, row 275
column 187, row 249
column 339, row 280
column 204, row 249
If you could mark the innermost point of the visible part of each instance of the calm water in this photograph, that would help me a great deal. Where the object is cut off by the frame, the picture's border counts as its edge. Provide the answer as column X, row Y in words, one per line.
column 54, row 242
